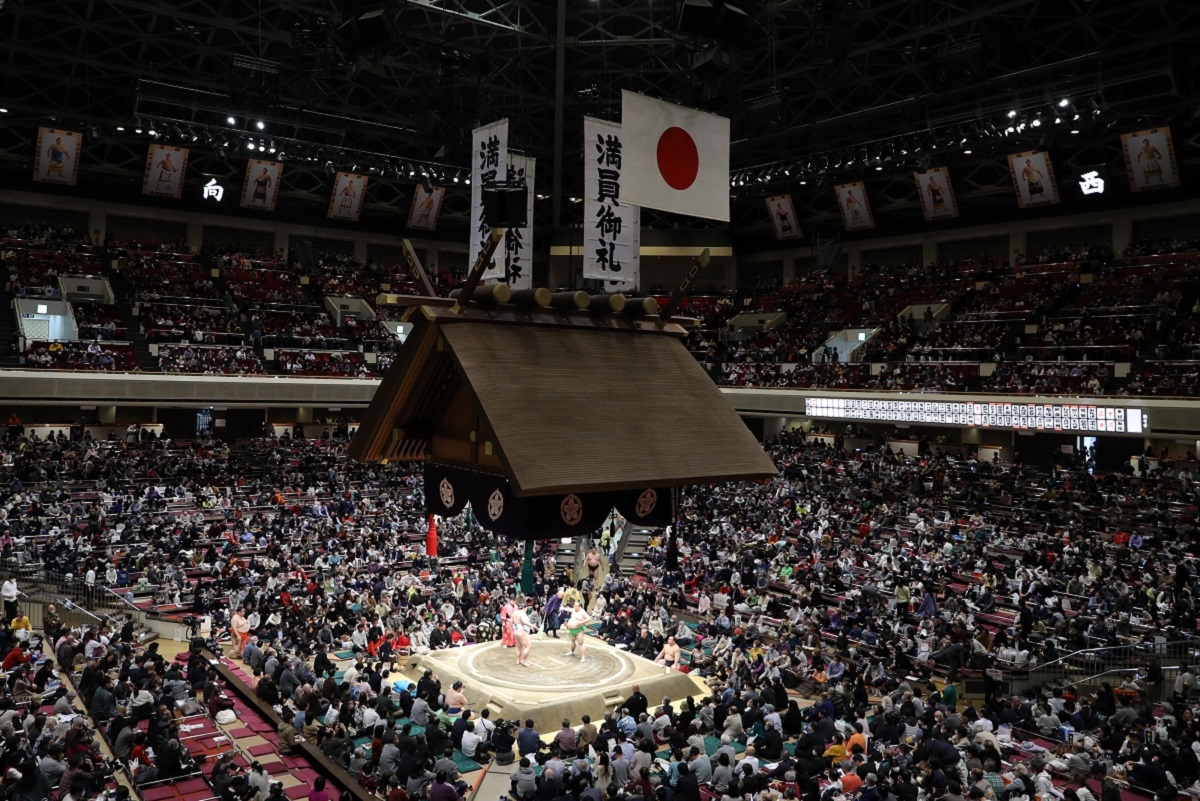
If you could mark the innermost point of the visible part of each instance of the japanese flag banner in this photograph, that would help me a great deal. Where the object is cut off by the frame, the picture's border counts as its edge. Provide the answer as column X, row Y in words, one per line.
column 676, row 158
column 612, row 228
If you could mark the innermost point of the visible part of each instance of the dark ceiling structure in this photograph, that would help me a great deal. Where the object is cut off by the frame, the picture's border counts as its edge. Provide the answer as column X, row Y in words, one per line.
column 818, row 91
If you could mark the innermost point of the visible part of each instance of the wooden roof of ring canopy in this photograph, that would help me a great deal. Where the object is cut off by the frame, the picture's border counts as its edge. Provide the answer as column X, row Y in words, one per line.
column 556, row 402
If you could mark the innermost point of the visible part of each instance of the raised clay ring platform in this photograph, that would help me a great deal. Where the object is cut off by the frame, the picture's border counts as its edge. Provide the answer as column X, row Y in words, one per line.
column 556, row 686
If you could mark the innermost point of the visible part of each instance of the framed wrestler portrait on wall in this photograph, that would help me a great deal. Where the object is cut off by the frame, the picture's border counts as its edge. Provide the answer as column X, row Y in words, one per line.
column 937, row 194
column 783, row 217
column 346, row 198
column 166, row 166
column 1033, row 178
column 423, row 214
column 1150, row 159
column 56, row 160
column 856, row 207
column 261, row 188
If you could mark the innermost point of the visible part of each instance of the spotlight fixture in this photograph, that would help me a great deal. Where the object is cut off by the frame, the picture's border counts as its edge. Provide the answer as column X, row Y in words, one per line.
column 250, row 145
column 1012, row 113
column 457, row 177
column 966, row 152
column 271, row 149
column 152, row 132
column 230, row 121
column 467, row 180
column 1066, row 101
column 260, row 125
column 120, row 128
column 3, row 111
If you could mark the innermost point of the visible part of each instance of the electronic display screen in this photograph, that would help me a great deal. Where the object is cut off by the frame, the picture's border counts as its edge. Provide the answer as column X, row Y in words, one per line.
column 1016, row 416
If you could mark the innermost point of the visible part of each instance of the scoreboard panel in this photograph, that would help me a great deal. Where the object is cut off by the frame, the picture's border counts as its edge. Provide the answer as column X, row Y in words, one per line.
column 1070, row 417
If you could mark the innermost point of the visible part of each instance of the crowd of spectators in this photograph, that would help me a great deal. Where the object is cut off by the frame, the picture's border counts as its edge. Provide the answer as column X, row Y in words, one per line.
column 331, row 364
column 209, row 360
column 172, row 322
column 1141, row 310
column 99, row 321
column 79, row 355
column 832, row 610
column 294, row 326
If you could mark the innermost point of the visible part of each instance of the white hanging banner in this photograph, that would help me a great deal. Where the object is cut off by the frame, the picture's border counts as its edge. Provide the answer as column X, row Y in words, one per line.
column 612, row 228
column 518, row 242
column 489, row 163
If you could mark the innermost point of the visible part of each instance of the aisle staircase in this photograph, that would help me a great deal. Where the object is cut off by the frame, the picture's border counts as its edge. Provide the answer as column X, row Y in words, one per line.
column 8, row 334
column 631, row 548
column 146, row 360
column 38, row 591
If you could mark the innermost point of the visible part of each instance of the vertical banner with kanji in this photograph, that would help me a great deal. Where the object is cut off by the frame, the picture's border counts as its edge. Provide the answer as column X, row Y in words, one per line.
column 612, row 229
column 518, row 242
column 489, row 163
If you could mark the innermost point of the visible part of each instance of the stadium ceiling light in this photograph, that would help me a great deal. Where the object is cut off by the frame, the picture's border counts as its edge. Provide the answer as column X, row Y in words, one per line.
column 1012, row 113
column 260, row 125
column 152, row 132
column 966, row 152
column 230, row 121
column 1066, row 101
column 250, row 145
column 271, row 149
column 3, row 111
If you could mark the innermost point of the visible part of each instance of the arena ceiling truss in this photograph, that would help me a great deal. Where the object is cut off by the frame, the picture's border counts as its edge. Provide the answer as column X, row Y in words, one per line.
column 818, row 91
